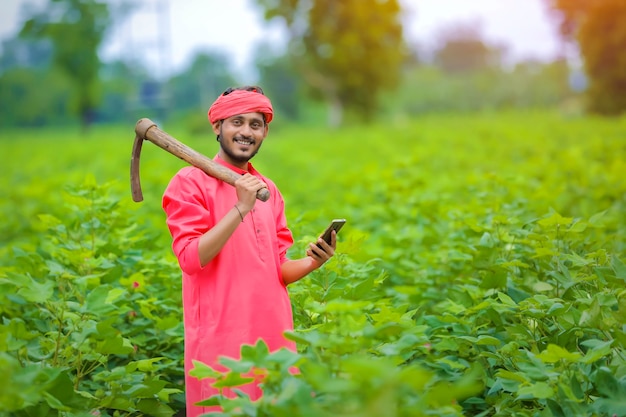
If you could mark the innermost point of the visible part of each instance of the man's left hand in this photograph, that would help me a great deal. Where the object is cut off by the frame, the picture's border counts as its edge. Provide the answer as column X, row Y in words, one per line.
column 322, row 251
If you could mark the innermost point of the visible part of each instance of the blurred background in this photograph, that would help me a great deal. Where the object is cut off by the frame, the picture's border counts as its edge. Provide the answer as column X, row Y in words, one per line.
column 478, row 155
column 321, row 61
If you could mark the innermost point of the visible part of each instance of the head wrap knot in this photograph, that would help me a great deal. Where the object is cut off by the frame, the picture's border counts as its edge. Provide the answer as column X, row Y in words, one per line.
column 240, row 102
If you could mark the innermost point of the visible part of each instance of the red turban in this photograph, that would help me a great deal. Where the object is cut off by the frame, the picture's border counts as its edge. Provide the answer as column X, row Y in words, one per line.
column 240, row 102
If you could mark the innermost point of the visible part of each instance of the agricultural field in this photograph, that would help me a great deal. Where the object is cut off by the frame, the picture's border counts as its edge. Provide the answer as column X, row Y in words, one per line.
column 482, row 271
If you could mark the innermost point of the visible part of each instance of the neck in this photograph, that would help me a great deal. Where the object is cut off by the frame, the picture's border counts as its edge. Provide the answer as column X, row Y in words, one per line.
column 243, row 165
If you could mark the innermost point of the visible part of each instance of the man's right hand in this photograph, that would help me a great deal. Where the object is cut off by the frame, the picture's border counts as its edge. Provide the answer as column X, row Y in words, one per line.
column 247, row 187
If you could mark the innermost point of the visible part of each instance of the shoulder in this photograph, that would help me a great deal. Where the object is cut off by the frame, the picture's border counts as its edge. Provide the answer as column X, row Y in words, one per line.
column 189, row 180
column 189, row 172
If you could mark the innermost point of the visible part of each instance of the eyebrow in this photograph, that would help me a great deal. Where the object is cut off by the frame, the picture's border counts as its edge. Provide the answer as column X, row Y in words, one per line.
column 251, row 118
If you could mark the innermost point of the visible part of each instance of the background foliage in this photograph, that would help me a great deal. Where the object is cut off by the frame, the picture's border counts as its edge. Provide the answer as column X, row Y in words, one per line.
column 327, row 44
column 314, row 78
column 597, row 27
column 76, row 28
column 481, row 271
column 484, row 281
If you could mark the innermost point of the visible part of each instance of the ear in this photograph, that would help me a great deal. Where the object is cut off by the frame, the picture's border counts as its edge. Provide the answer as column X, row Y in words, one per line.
column 267, row 129
column 216, row 126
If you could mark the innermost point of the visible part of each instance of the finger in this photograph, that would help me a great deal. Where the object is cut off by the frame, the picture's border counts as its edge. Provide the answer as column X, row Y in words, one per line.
column 259, row 185
column 322, row 249
column 318, row 255
column 330, row 249
column 252, row 182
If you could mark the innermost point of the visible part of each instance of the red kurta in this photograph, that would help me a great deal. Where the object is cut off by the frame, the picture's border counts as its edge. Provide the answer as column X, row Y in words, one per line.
column 239, row 297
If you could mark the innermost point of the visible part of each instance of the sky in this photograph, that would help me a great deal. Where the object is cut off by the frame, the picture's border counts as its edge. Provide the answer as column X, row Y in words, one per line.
column 236, row 26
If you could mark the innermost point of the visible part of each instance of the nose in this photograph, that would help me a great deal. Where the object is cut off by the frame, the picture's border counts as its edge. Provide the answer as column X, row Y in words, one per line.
column 246, row 130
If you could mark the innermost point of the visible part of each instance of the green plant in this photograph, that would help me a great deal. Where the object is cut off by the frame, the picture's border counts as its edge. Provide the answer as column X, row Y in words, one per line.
column 79, row 330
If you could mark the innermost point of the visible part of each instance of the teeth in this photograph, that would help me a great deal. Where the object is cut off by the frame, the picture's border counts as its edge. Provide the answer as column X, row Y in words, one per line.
column 243, row 142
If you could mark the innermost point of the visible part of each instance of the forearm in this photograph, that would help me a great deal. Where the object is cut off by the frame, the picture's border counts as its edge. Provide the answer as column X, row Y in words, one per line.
column 294, row 270
column 212, row 242
column 318, row 254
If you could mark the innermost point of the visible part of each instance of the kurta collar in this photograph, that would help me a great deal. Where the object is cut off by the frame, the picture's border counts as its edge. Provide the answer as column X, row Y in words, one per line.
column 240, row 171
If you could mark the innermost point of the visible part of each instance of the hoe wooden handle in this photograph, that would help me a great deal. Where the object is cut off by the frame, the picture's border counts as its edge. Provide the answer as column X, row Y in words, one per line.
column 146, row 129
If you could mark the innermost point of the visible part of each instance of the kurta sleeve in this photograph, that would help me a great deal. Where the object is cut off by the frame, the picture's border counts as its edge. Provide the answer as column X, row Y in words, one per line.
column 285, row 237
column 187, row 218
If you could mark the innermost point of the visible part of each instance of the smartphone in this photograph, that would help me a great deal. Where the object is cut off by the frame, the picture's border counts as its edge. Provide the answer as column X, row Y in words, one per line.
column 335, row 225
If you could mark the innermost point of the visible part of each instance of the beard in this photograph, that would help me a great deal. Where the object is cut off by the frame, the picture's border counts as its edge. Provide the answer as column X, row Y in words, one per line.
column 227, row 148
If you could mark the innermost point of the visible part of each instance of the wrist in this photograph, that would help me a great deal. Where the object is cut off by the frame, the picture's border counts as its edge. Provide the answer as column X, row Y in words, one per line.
column 241, row 212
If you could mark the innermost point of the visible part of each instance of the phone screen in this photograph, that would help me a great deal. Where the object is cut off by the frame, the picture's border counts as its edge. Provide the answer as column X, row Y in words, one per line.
column 335, row 225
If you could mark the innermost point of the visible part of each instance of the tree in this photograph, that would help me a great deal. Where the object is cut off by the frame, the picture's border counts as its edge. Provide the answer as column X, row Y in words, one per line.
column 33, row 97
column 348, row 51
column 598, row 27
column 76, row 28
column 462, row 50
column 280, row 80
column 120, row 82
column 207, row 77
column 18, row 52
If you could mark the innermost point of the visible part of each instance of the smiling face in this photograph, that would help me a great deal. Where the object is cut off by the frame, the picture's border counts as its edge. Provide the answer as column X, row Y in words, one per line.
column 240, row 137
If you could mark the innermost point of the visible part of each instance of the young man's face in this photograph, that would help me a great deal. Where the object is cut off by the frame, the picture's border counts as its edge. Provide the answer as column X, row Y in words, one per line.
column 241, row 137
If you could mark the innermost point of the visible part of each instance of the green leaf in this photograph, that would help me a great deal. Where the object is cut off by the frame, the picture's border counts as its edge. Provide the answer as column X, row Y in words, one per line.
column 556, row 308
column 49, row 221
column 577, row 227
column 610, row 406
column 147, row 389
column 232, row 379
column 514, row 376
column 236, row 365
column 209, row 402
column 363, row 289
column 619, row 267
column 609, row 386
column 96, row 301
column 61, row 394
column 144, row 365
column 542, row 287
column 56, row 269
column 555, row 220
column 18, row 334
column 505, row 299
column 285, row 357
column 54, row 403
column 486, row 240
column 488, row 340
column 114, row 295
column 118, row 403
column 598, row 350
column 342, row 305
column 539, row 390
column 203, row 371
column 556, row 353
column 114, row 346
column 533, row 368
column 154, row 408
column 36, row 292
column 598, row 219
column 256, row 354
column 555, row 408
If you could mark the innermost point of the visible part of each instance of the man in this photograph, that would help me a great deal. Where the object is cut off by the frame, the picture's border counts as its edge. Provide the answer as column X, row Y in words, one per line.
column 232, row 249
